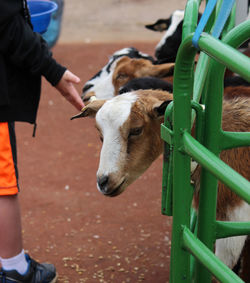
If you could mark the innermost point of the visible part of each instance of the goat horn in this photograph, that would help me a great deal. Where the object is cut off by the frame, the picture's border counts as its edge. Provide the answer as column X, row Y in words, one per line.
column 79, row 115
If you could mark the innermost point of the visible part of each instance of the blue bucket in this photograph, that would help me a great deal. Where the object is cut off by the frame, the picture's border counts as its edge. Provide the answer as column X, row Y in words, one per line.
column 40, row 12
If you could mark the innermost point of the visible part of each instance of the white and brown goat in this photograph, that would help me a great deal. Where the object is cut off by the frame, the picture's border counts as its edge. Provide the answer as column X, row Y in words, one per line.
column 129, row 126
column 122, row 70
column 102, row 78
column 141, row 73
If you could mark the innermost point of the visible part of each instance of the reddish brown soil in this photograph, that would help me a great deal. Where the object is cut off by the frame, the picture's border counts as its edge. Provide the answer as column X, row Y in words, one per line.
column 66, row 221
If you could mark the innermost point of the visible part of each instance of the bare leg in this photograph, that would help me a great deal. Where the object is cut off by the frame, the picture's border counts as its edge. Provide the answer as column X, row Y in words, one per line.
column 10, row 226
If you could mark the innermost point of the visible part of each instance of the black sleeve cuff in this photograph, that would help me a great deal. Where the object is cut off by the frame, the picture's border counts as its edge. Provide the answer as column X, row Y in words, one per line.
column 53, row 72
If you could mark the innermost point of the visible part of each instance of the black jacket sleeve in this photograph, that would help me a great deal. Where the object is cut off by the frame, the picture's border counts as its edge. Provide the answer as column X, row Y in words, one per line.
column 27, row 49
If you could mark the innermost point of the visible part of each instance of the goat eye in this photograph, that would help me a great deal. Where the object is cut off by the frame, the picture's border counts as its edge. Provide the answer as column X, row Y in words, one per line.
column 121, row 76
column 135, row 131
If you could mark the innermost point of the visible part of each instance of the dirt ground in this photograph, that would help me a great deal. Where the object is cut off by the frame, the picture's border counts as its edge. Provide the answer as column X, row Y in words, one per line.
column 66, row 221
column 114, row 20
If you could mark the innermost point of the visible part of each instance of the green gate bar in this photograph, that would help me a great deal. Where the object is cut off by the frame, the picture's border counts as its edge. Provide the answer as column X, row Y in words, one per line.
column 205, row 256
column 218, row 168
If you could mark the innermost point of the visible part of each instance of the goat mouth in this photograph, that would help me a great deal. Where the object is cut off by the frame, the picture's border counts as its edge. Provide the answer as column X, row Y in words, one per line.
column 117, row 191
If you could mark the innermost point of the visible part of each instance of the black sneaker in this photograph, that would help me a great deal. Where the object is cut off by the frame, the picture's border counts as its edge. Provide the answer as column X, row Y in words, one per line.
column 37, row 273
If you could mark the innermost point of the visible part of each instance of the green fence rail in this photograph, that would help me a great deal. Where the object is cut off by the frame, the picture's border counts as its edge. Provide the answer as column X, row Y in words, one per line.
column 193, row 238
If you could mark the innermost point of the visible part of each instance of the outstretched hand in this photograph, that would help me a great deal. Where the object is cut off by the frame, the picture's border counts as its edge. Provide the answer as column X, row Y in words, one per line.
column 67, row 89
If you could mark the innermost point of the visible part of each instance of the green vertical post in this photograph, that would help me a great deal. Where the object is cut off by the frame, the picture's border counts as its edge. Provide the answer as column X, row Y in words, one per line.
column 183, row 89
column 209, row 183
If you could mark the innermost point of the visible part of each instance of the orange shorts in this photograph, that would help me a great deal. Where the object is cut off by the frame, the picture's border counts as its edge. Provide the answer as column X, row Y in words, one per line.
column 8, row 169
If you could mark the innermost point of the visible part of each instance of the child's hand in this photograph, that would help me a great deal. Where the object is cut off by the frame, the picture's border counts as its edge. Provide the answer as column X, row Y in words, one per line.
column 67, row 89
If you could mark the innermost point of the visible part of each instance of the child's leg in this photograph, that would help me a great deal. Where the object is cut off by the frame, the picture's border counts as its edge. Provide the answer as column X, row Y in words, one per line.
column 10, row 219
column 10, row 227
column 16, row 265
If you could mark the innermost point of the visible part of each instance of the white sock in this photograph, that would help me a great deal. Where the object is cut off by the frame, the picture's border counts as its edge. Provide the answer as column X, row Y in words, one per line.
column 18, row 262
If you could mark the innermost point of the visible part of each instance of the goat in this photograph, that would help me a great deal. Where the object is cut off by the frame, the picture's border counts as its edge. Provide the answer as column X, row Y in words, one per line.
column 129, row 126
column 100, row 78
column 122, row 71
column 166, row 49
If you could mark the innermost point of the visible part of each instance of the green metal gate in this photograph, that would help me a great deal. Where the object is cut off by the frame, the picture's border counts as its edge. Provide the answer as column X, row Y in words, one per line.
column 193, row 238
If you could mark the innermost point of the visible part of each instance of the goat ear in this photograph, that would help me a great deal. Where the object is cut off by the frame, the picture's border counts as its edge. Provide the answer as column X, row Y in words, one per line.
column 161, row 70
column 160, row 107
column 144, row 68
column 90, row 110
column 159, row 25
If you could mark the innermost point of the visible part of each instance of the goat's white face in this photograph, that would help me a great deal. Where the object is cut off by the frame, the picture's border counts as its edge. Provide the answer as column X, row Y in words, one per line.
column 129, row 126
column 102, row 86
column 110, row 119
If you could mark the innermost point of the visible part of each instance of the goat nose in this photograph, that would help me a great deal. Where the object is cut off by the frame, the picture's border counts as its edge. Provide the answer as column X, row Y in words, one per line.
column 102, row 183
